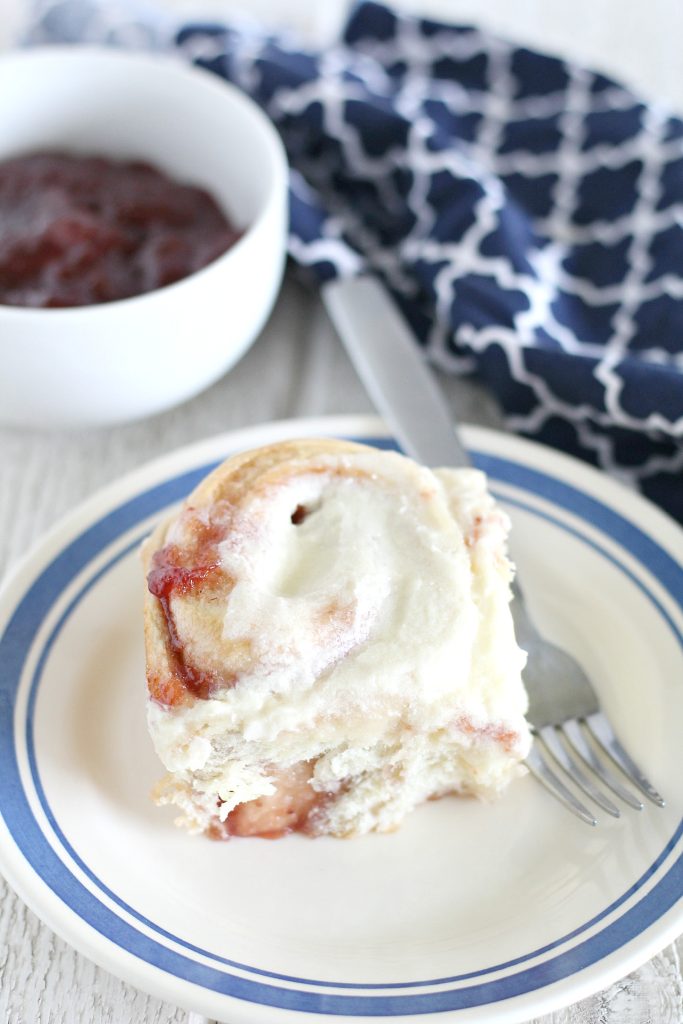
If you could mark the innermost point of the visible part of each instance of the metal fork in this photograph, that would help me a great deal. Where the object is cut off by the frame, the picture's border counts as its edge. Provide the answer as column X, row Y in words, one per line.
column 570, row 730
column 571, row 734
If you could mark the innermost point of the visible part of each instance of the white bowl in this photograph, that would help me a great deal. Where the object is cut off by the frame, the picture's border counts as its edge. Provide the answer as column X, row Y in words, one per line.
column 127, row 359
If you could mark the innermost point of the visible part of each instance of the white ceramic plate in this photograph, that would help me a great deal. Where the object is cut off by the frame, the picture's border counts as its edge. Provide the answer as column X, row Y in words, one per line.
column 490, row 913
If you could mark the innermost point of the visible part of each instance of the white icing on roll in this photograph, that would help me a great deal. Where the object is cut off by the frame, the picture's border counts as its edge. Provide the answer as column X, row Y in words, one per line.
column 370, row 596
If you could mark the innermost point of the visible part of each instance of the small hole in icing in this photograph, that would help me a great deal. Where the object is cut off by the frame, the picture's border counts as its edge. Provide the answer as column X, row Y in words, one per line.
column 299, row 514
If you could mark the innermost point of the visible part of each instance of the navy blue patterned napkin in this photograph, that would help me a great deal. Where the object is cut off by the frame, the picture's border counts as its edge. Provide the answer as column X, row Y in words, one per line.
column 526, row 214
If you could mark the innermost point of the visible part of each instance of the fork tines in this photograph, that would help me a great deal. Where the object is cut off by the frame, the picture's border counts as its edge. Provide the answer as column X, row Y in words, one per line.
column 585, row 750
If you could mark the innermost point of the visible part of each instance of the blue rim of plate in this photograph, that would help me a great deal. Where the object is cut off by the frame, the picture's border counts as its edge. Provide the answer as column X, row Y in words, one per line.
column 16, row 644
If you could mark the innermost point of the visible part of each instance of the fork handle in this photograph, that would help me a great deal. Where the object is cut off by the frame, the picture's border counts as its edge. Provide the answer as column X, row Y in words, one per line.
column 391, row 366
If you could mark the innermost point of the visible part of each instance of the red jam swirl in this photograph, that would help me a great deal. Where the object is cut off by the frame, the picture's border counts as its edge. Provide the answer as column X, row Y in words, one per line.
column 165, row 579
column 77, row 231
column 177, row 571
column 292, row 807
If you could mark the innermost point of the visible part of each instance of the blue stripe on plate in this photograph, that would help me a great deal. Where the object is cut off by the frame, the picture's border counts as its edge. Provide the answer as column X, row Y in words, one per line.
column 14, row 648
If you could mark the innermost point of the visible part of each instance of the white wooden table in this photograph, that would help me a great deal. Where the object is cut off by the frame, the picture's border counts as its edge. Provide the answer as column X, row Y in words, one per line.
column 296, row 368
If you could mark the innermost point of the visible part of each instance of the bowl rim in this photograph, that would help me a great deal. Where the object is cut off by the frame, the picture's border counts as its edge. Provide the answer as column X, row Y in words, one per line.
column 160, row 62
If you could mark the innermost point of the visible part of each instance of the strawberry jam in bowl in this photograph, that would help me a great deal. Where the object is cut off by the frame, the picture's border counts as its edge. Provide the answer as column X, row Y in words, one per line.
column 143, row 207
column 78, row 230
